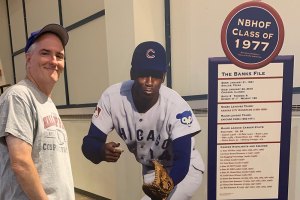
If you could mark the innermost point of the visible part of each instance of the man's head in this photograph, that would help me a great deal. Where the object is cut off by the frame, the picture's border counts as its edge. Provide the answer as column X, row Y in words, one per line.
column 149, row 59
column 148, row 71
column 45, row 56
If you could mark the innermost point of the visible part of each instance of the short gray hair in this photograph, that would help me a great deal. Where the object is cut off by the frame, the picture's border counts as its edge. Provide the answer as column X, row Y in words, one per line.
column 31, row 48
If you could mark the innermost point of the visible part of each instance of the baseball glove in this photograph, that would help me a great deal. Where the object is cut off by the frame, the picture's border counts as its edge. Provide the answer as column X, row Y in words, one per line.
column 162, row 185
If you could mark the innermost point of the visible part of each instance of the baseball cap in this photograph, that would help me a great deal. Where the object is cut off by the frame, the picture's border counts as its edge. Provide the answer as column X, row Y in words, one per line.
column 149, row 56
column 57, row 29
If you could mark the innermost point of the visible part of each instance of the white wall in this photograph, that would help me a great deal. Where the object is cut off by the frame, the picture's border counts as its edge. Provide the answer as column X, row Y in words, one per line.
column 129, row 22
column 119, row 180
column 294, row 177
column 2, row 77
column 5, row 55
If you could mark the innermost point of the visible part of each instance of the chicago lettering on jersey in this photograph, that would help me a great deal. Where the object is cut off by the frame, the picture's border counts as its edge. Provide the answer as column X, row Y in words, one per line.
column 140, row 135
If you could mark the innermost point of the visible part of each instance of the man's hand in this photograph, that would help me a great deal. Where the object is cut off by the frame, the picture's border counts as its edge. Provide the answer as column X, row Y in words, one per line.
column 111, row 152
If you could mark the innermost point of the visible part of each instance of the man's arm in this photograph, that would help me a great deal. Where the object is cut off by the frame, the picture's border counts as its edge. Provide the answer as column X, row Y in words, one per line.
column 96, row 150
column 24, row 168
column 182, row 156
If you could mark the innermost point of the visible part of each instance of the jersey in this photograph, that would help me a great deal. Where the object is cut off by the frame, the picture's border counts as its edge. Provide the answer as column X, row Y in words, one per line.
column 147, row 135
column 29, row 115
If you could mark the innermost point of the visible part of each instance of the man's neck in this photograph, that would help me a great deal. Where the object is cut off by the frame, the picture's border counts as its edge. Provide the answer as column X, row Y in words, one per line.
column 143, row 104
column 46, row 89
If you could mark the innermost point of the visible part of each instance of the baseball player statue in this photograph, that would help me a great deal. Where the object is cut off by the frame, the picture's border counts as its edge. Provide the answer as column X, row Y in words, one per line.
column 157, row 125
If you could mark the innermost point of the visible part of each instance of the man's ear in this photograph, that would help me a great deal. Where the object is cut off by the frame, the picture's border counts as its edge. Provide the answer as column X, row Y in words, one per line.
column 27, row 57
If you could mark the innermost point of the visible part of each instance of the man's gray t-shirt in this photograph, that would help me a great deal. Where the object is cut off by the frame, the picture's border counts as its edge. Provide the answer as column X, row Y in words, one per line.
column 28, row 114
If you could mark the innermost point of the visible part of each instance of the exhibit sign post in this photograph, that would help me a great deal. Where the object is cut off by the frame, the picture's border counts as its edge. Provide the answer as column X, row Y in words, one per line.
column 250, row 106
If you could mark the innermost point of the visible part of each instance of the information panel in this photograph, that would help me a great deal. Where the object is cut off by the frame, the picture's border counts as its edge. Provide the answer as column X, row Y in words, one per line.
column 249, row 129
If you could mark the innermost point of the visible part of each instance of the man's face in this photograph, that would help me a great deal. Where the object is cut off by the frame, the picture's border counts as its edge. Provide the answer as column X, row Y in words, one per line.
column 45, row 61
column 148, row 86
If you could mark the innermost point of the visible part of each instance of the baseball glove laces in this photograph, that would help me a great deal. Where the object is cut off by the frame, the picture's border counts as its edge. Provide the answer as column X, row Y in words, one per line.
column 162, row 185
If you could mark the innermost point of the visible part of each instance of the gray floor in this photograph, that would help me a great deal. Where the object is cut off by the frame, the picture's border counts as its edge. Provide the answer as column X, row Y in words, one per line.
column 82, row 197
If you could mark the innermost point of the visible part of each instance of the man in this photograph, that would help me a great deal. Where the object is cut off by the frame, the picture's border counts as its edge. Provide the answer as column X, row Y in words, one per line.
column 34, row 156
column 154, row 122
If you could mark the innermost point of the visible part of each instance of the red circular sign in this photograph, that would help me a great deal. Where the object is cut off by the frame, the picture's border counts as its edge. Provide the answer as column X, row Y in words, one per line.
column 252, row 35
